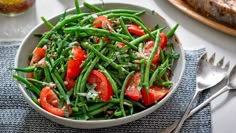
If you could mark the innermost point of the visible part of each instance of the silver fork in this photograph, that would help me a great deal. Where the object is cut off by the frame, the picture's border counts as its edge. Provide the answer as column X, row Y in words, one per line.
column 231, row 85
column 208, row 75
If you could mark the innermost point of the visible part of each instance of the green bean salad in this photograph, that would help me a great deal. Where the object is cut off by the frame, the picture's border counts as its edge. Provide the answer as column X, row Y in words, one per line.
column 101, row 65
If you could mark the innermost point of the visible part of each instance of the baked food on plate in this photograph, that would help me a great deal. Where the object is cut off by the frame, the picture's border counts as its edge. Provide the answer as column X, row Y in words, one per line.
column 223, row 11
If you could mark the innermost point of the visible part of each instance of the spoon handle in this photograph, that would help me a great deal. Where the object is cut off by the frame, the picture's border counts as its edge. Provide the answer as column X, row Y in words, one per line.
column 185, row 116
column 196, row 109
column 208, row 100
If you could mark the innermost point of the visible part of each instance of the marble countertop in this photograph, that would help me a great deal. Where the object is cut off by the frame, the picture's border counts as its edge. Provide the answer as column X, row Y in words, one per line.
column 192, row 34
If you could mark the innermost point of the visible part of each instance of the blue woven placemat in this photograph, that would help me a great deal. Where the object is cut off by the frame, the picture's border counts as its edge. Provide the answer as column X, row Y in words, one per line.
column 17, row 116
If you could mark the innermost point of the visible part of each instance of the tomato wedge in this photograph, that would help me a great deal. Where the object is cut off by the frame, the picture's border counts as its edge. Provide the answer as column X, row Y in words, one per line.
column 132, row 87
column 103, row 87
column 120, row 44
column 155, row 93
column 49, row 101
column 135, row 29
column 69, row 83
column 102, row 22
column 74, row 68
column 148, row 47
column 30, row 75
column 147, row 50
column 163, row 40
column 38, row 54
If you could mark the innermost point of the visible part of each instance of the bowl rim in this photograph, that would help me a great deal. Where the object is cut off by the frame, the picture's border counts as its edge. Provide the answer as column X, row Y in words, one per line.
column 41, row 110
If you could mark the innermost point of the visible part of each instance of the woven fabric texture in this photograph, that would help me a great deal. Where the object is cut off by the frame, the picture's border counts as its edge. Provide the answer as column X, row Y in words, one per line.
column 17, row 116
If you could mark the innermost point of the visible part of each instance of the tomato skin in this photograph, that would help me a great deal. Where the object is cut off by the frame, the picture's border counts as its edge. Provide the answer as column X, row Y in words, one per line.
column 148, row 47
column 101, row 22
column 78, row 53
column 69, row 83
column 103, row 85
column 132, row 87
column 120, row 44
column 38, row 54
column 49, row 101
column 135, row 29
column 74, row 68
column 155, row 93
column 30, row 75
column 163, row 40
column 147, row 50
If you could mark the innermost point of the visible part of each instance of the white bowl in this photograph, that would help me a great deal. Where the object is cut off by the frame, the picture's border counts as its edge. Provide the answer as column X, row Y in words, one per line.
column 30, row 41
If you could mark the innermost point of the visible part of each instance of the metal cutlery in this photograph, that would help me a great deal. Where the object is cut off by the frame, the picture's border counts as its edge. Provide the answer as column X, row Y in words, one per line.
column 208, row 75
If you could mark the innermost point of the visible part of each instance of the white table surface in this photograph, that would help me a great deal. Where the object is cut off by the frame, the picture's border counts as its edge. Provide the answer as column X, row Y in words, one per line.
column 192, row 34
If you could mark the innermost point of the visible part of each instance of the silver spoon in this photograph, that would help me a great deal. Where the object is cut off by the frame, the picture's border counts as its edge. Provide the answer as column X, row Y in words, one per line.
column 208, row 75
column 231, row 84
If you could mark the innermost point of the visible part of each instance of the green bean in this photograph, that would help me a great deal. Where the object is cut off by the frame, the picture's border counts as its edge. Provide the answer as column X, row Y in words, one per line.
column 40, row 82
column 96, row 106
column 45, row 37
column 92, row 55
column 98, row 111
column 109, row 11
column 119, row 83
column 143, row 61
column 47, row 74
column 124, row 28
column 66, row 51
column 56, row 73
column 154, row 75
column 69, row 19
column 149, row 62
column 104, row 58
column 95, row 32
column 34, row 98
column 60, row 88
column 162, row 56
column 123, row 92
column 123, row 14
column 172, row 31
column 38, row 73
column 63, row 70
column 140, row 48
column 38, row 35
column 77, row 7
column 47, row 23
column 113, row 83
column 85, row 77
column 63, row 16
column 142, row 25
column 128, row 102
column 31, row 87
column 26, row 69
column 57, row 62
column 142, row 38
column 137, row 104
column 78, row 82
column 120, row 113
column 92, row 7
column 140, row 13
column 77, row 87
column 59, row 25
column 61, row 46
column 128, row 44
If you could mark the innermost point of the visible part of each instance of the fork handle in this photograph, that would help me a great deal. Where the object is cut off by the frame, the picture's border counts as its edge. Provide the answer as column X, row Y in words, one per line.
column 185, row 116
column 196, row 109
column 208, row 100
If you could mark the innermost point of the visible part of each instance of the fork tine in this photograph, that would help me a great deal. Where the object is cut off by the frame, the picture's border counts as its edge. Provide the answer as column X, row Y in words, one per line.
column 227, row 65
column 221, row 62
column 204, row 56
column 212, row 58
